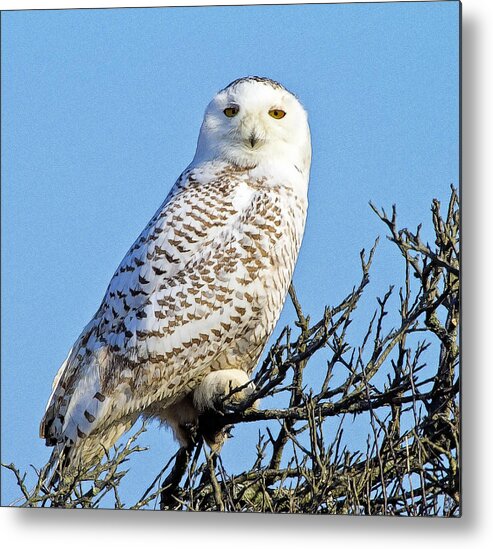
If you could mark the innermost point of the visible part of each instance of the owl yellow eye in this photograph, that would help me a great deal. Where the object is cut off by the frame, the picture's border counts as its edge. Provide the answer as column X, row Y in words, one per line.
column 231, row 111
column 277, row 113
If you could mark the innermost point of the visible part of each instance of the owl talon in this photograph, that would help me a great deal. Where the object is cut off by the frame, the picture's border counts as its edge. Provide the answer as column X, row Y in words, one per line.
column 232, row 407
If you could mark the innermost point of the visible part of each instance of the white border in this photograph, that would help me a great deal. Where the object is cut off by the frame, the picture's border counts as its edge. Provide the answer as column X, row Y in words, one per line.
column 83, row 529
column 57, row 4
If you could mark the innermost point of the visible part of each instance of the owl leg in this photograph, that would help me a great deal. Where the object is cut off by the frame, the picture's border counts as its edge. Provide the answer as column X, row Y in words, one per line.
column 182, row 417
column 211, row 398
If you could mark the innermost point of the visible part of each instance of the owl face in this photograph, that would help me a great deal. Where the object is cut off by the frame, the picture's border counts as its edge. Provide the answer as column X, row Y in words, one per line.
column 255, row 122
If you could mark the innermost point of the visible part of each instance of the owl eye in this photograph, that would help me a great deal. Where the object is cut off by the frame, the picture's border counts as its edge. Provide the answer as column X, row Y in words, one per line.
column 277, row 113
column 231, row 111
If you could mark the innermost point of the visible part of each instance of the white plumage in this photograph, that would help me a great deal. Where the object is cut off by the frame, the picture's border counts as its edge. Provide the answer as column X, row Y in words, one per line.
column 191, row 306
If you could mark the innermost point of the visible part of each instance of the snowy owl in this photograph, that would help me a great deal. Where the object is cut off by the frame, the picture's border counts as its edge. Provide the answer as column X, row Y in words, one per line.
column 191, row 306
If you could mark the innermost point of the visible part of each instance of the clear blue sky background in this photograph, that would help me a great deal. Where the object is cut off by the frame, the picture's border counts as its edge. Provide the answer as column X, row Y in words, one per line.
column 101, row 111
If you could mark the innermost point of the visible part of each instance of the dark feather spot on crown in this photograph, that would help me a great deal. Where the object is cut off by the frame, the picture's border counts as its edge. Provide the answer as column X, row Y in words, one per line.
column 261, row 79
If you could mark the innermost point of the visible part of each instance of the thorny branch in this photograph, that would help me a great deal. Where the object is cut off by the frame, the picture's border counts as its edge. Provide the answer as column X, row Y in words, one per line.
column 400, row 383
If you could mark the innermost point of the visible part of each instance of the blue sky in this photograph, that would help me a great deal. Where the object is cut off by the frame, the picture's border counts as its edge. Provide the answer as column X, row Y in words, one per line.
column 100, row 114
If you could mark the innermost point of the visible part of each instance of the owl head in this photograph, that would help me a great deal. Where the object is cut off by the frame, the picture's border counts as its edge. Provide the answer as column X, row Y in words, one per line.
column 255, row 122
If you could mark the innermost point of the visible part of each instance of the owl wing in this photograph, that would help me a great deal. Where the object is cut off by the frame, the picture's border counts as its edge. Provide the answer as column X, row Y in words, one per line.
column 185, row 290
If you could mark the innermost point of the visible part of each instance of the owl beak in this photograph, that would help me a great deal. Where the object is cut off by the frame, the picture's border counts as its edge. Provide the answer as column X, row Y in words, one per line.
column 253, row 139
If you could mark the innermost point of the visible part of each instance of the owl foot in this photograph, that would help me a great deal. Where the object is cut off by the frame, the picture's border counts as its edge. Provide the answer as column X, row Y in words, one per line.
column 220, row 392
column 221, row 389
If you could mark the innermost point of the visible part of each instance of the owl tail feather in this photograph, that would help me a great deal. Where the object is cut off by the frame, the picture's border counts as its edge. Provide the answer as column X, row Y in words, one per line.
column 57, row 466
column 71, row 461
